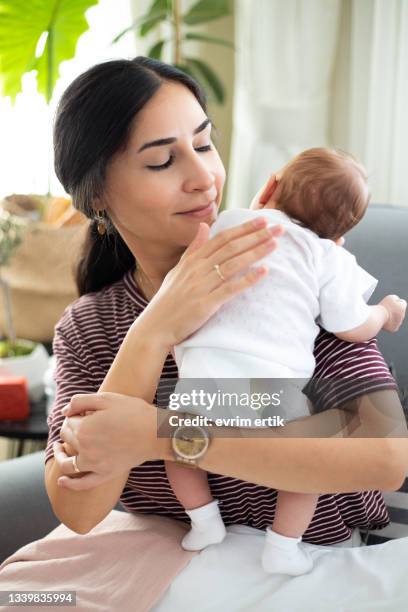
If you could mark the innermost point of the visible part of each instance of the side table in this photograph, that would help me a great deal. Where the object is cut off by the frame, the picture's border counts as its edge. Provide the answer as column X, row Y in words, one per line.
column 33, row 428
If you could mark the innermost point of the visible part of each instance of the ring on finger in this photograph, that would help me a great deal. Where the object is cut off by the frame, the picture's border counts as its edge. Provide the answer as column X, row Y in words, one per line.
column 218, row 271
column 75, row 464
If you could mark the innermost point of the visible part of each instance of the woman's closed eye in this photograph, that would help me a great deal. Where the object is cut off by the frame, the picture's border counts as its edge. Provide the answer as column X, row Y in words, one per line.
column 171, row 158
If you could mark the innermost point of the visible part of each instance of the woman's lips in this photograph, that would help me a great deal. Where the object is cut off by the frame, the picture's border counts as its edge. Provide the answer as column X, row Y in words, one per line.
column 199, row 214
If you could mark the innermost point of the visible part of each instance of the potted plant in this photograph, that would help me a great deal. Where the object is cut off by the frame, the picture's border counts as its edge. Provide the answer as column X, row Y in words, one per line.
column 19, row 357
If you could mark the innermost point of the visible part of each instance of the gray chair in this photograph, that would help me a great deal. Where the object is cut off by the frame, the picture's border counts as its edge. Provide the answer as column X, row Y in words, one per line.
column 380, row 245
column 25, row 511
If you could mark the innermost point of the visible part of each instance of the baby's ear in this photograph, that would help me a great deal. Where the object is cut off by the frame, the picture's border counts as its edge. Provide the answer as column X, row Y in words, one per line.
column 269, row 189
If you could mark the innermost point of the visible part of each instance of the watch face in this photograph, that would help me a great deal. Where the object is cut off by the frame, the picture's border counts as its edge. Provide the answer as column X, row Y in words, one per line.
column 190, row 442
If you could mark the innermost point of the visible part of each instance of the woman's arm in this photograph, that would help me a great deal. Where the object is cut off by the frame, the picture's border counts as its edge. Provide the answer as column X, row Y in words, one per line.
column 365, row 460
column 299, row 464
column 82, row 510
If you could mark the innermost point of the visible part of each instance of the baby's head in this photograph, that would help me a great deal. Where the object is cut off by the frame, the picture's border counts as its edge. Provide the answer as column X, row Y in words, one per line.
column 323, row 189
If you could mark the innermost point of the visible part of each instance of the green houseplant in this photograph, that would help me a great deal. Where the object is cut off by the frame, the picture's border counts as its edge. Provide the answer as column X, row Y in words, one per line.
column 38, row 35
column 180, row 25
column 11, row 232
column 18, row 357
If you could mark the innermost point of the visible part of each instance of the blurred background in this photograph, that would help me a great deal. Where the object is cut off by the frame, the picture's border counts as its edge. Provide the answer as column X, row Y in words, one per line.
column 280, row 75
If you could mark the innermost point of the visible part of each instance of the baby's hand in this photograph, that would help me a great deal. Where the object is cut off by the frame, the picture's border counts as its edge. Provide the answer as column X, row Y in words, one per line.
column 396, row 312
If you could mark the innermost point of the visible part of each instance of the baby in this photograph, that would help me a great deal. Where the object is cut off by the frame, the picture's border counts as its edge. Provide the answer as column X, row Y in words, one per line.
column 269, row 330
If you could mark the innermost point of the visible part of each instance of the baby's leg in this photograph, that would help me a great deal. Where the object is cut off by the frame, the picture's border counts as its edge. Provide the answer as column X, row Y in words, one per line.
column 190, row 485
column 293, row 513
column 282, row 553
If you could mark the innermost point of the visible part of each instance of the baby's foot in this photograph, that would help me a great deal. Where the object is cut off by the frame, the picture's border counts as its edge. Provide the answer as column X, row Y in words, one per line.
column 283, row 555
column 207, row 527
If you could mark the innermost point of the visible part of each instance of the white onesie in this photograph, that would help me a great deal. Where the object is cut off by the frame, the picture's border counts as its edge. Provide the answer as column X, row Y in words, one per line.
column 269, row 330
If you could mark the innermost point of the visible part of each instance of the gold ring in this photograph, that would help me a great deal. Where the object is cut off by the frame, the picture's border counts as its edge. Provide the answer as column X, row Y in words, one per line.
column 218, row 271
column 74, row 463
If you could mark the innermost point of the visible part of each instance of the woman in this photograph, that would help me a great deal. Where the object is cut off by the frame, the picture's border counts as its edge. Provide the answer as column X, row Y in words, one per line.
column 133, row 148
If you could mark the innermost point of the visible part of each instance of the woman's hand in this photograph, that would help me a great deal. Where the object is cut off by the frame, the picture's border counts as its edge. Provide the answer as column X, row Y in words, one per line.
column 193, row 291
column 109, row 433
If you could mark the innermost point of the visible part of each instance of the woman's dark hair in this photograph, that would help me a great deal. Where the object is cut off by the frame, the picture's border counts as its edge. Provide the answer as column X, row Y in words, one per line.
column 93, row 122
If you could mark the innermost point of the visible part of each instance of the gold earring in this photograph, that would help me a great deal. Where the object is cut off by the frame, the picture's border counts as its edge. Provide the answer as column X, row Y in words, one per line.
column 100, row 218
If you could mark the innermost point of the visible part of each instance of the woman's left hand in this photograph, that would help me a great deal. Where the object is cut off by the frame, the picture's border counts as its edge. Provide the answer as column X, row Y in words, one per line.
column 94, row 431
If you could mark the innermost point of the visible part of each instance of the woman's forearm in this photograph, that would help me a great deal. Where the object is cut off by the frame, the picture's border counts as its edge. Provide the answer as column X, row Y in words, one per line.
column 135, row 371
column 307, row 465
column 138, row 365
column 318, row 464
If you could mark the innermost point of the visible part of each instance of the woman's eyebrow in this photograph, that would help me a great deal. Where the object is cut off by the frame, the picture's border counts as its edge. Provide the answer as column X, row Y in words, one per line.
column 165, row 141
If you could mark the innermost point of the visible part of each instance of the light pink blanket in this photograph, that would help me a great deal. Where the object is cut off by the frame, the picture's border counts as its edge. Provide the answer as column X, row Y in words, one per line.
column 125, row 563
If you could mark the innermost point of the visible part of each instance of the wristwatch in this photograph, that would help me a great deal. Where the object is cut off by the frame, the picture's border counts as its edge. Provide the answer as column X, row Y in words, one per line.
column 189, row 444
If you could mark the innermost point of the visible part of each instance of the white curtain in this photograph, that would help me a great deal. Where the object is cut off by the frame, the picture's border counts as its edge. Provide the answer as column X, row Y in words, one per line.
column 370, row 113
column 284, row 65
column 320, row 72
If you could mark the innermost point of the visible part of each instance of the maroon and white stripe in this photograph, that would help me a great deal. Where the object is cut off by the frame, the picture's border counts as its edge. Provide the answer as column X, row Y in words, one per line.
column 89, row 335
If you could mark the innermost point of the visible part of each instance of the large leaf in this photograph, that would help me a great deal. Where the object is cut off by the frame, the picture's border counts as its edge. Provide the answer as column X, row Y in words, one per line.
column 155, row 52
column 207, row 77
column 136, row 24
column 158, row 11
column 21, row 25
column 207, row 10
column 208, row 39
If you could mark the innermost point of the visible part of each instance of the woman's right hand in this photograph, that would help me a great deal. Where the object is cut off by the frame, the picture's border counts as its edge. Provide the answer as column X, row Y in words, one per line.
column 193, row 291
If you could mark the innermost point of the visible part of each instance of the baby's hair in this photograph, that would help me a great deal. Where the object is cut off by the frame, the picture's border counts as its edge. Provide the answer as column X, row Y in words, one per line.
column 324, row 190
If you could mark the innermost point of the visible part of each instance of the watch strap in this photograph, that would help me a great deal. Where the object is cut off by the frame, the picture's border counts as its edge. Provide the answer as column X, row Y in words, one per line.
column 191, row 463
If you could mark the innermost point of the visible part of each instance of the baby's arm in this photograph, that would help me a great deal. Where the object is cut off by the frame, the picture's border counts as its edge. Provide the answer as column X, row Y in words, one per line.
column 388, row 315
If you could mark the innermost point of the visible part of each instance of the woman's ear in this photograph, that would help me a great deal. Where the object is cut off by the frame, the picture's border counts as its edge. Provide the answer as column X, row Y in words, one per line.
column 269, row 189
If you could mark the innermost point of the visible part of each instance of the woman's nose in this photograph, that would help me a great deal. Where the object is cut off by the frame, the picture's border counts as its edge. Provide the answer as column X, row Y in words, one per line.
column 199, row 176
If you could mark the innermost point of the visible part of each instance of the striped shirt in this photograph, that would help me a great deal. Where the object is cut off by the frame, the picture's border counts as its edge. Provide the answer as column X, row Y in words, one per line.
column 86, row 341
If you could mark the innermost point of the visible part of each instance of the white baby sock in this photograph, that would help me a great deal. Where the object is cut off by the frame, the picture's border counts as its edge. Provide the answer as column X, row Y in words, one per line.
column 282, row 555
column 207, row 527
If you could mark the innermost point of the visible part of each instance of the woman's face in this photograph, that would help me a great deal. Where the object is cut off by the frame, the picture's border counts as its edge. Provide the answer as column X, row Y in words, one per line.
column 170, row 166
